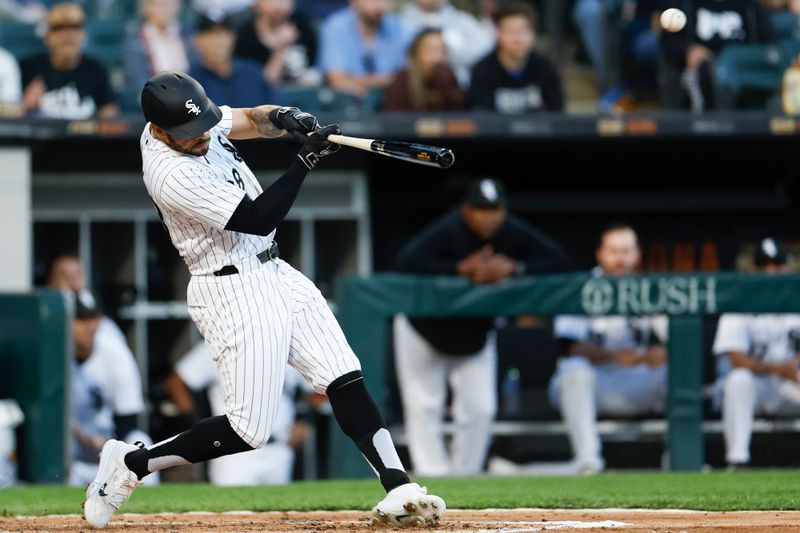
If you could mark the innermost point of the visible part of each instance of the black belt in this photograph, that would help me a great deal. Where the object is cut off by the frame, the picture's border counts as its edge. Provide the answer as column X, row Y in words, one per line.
column 273, row 252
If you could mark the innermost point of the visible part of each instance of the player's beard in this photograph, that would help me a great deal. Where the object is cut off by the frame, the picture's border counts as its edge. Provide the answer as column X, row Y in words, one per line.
column 198, row 146
column 201, row 148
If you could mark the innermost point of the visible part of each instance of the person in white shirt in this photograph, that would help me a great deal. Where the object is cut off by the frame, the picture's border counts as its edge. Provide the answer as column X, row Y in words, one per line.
column 467, row 40
column 112, row 360
column 759, row 365
column 105, row 392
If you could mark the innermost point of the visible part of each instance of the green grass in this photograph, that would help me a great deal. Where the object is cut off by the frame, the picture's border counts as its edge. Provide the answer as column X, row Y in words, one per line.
column 767, row 490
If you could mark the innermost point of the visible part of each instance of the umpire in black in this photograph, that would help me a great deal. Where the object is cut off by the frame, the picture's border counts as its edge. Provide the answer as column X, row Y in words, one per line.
column 482, row 241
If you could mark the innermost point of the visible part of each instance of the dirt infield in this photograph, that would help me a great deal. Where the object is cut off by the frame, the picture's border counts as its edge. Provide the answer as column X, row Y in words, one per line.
column 505, row 521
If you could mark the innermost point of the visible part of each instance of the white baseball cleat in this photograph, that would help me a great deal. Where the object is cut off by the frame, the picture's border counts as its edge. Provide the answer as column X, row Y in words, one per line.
column 113, row 485
column 409, row 505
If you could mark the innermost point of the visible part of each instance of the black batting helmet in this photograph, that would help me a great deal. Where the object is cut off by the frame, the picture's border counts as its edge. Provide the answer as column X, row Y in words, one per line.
column 177, row 103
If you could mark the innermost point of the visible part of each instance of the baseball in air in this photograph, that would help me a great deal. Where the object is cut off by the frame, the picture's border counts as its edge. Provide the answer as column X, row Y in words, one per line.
column 673, row 20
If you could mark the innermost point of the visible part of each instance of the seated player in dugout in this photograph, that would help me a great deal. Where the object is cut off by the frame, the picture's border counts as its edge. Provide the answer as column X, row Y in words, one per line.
column 482, row 241
column 98, row 392
column 609, row 365
column 110, row 363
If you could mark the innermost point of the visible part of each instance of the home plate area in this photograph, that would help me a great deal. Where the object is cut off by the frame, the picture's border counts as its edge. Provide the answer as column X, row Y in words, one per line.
column 466, row 521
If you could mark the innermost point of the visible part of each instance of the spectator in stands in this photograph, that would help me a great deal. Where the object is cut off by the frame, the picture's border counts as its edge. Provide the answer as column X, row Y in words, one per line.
column 591, row 18
column 481, row 241
column 159, row 43
column 428, row 83
column 610, row 365
column 10, row 85
column 63, row 82
column 271, row 465
column 467, row 39
column 362, row 47
column 111, row 363
column 759, row 366
column 101, row 385
column 227, row 79
column 690, row 54
column 513, row 78
column 281, row 40
column 639, row 52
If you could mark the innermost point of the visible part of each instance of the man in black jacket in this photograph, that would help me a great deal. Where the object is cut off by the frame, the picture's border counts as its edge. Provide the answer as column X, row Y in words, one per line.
column 481, row 241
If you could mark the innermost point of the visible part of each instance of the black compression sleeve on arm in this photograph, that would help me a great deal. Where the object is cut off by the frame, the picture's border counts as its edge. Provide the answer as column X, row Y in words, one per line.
column 262, row 215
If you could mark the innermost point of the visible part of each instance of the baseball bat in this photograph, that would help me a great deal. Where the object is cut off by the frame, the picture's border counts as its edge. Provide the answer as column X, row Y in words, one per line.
column 422, row 154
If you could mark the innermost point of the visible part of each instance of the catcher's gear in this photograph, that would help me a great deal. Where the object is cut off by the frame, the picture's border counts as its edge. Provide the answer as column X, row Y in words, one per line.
column 177, row 103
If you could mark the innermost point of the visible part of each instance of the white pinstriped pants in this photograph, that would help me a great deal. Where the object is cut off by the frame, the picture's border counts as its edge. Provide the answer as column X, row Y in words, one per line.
column 256, row 321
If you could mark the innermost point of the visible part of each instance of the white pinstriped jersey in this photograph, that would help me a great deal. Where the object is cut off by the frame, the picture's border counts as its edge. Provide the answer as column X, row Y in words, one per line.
column 196, row 196
column 258, row 320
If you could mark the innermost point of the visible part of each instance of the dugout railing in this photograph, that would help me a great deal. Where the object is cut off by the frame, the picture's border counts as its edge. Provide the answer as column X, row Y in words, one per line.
column 366, row 305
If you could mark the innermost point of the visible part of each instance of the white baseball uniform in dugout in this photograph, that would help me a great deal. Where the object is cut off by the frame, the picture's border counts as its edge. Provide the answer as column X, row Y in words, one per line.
column 768, row 338
column 581, row 389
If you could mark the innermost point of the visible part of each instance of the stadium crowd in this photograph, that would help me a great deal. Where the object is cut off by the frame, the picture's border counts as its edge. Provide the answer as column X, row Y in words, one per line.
column 91, row 57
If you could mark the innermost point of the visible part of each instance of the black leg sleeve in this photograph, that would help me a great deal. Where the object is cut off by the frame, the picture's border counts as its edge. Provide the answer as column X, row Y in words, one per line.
column 208, row 439
column 360, row 419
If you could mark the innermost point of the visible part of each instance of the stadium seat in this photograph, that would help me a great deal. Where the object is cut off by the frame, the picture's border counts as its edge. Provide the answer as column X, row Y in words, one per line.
column 790, row 49
column 129, row 100
column 786, row 24
column 747, row 69
column 104, row 40
column 20, row 39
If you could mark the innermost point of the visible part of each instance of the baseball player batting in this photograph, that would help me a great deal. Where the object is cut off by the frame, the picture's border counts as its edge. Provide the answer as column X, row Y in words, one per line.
column 254, row 310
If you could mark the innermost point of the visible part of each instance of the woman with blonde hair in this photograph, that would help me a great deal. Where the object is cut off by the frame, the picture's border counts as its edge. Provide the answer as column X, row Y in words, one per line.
column 427, row 83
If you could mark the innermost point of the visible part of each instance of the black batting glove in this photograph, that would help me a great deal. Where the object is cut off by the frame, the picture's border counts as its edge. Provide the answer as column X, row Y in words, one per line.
column 318, row 146
column 294, row 121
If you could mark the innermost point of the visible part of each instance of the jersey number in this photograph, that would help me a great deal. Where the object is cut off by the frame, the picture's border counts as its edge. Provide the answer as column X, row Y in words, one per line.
column 237, row 179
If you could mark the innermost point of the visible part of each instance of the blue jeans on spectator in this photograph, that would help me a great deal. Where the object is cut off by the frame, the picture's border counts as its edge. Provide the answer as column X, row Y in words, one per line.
column 590, row 18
